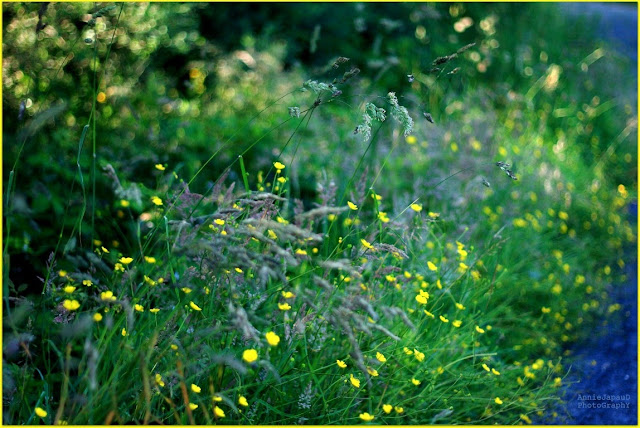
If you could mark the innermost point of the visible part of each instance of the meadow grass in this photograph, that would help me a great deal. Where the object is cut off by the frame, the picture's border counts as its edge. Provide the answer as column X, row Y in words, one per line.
column 428, row 278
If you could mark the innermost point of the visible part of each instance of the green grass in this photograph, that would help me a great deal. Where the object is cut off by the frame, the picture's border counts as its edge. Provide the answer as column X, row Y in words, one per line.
column 250, row 267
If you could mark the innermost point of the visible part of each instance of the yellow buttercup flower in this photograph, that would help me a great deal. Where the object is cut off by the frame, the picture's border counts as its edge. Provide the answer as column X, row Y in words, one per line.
column 387, row 408
column 195, row 388
column 355, row 382
column 159, row 380
column 71, row 305
column 218, row 412
column 366, row 417
column 272, row 338
column 243, row 401
column 41, row 412
column 380, row 357
column 250, row 355
column 284, row 306
column 367, row 245
column 341, row 364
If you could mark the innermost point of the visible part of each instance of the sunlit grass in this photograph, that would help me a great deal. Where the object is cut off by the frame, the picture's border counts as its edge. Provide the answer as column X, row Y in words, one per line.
column 408, row 273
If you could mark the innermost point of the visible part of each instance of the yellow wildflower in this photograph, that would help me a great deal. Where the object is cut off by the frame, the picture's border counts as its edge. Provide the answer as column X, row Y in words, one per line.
column 380, row 357
column 243, row 401
column 195, row 388
column 159, row 380
column 355, row 382
column 71, row 305
column 366, row 417
column 341, row 364
column 352, row 206
column 41, row 412
column 250, row 355
column 218, row 412
column 367, row 245
column 194, row 306
column 272, row 338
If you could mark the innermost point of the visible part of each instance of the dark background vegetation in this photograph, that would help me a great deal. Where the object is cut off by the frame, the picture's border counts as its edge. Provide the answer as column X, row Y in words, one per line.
column 155, row 112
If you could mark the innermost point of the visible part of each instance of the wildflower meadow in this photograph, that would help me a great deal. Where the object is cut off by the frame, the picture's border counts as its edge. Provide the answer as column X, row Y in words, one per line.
column 309, row 213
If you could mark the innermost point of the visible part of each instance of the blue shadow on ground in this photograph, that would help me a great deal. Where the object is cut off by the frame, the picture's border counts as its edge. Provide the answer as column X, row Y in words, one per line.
column 602, row 386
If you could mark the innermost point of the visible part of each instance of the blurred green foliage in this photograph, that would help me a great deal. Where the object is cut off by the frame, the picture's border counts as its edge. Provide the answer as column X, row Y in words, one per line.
column 179, row 80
